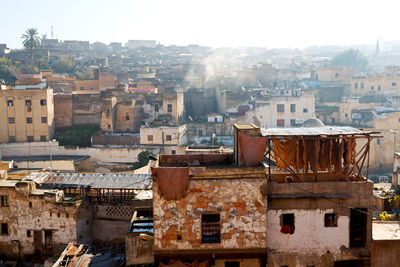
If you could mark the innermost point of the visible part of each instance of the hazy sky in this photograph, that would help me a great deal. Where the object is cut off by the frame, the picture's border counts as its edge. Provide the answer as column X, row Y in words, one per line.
column 267, row 23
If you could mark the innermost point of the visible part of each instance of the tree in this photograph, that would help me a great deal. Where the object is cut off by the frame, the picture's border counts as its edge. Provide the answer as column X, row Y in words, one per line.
column 31, row 39
column 64, row 64
column 142, row 160
column 350, row 58
column 7, row 75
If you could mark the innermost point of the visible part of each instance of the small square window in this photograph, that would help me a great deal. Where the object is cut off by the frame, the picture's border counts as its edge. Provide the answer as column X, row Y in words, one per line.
column 11, row 139
column 4, row 228
column 44, row 119
column 168, row 137
column 43, row 102
column 169, row 107
column 280, row 123
column 305, row 110
column 30, row 138
column 173, row 152
column 11, row 120
column 149, row 138
column 393, row 83
column 81, row 88
column 10, row 103
column 43, row 138
column 91, row 88
column 287, row 223
column 28, row 102
column 29, row 120
column 330, row 220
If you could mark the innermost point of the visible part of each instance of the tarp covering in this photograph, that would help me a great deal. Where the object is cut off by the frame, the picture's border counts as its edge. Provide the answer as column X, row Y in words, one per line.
column 314, row 131
column 315, row 154
column 173, row 182
column 252, row 149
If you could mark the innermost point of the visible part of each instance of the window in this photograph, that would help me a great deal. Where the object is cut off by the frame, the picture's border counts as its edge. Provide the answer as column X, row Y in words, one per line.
column 4, row 228
column 358, row 227
column 10, row 103
column 398, row 119
column 28, row 104
column 28, row 233
column 232, row 264
column 379, row 87
column 58, row 215
column 336, row 75
column 30, row 138
column 43, row 102
column 292, row 107
column 173, row 152
column 215, row 119
column 43, row 138
column 11, row 120
column 346, row 115
column 156, row 107
column 280, row 123
column 305, row 110
column 127, row 116
column 169, row 107
column 372, row 88
column 393, row 83
column 330, row 220
column 362, row 85
column 30, row 204
column 168, row 137
column 66, row 215
column 11, row 139
column 287, row 223
column 108, row 126
column 280, row 107
column 200, row 132
column 355, row 85
column 81, row 88
column 378, row 141
column 210, row 228
column 44, row 119
column 108, row 112
column 91, row 88
column 51, row 214
column 149, row 138
column 4, row 201
column 292, row 122
column 29, row 120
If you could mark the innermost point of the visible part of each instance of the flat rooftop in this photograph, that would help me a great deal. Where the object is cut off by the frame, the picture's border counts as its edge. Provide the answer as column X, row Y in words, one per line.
column 389, row 230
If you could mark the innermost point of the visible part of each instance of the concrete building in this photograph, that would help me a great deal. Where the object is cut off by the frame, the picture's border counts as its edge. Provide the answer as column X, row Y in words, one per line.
column 101, row 82
column 235, row 209
column 332, row 74
column 26, row 115
column 170, row 137
column 133, row 44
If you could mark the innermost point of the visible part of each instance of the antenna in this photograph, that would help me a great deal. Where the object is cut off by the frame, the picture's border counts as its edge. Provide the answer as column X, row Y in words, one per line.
column 51, row 31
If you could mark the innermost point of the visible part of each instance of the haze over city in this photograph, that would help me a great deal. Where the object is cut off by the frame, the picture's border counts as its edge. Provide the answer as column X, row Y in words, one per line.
column 287, row 23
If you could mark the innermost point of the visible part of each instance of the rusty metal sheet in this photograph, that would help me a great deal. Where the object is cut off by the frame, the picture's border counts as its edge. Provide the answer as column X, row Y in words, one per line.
column 315, row 131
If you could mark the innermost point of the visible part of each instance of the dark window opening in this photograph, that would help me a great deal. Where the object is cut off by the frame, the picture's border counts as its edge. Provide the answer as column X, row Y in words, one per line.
column 108, row 112
column 29, row 120
column 330, row 220
column 43, row 119
column 58, row 215
column 30, row 205
column 355, row 85
column 292, row 122
column 43, row 138
column 362, row 85
column 169, row 107
column 81, row 88
column 108, row 126
column 28, row 104
column 4, row 228
column 305, row 110
column 372, row 87
column 173, row 152
column 28, row 233
column 287, row 223
column 11, row 139
column 10, row 103
column 127, row 116
column 358, row 227
column 66, row 215
column 168, row 137
column 393, row 83
column 211, row 232
column 280, row 123
column 149, row 138
column 280, row 107
column 30, row 138
column 4, row 201
column 232, row 264
column 292, row 107
column 11, row 120
column 156, row 107
column 43, row 102
column 379, row 87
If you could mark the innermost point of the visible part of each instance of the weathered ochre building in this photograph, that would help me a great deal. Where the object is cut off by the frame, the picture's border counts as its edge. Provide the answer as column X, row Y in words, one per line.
column 26, row 115
column 285, row 197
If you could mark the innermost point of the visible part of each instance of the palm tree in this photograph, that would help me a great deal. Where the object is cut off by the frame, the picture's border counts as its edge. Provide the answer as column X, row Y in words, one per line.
column 31, row 39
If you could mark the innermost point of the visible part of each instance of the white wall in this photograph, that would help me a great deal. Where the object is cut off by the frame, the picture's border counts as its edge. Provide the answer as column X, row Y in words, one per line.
column 310, row 235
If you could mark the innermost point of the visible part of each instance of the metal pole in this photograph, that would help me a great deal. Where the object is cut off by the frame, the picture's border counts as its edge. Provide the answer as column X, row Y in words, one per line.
column 51, row 158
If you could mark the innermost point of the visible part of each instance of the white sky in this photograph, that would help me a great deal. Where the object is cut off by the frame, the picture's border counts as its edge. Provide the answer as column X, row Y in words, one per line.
column 216, row 23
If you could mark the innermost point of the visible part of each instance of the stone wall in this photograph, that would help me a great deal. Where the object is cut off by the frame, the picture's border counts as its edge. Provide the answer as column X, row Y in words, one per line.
column 62, row 111
column 239, row 202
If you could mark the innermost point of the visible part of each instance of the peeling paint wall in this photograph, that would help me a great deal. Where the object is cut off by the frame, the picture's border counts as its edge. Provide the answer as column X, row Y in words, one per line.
column 239, row 202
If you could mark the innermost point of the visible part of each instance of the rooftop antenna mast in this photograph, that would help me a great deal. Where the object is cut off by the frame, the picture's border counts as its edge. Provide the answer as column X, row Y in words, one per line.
column 51, row 31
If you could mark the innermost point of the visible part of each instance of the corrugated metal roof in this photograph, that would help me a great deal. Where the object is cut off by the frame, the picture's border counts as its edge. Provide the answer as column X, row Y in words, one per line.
column 314, row 131
column 93, row 180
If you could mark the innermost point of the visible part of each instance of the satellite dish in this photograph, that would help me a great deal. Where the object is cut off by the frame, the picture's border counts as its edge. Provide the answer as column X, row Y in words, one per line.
column 190, row 118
